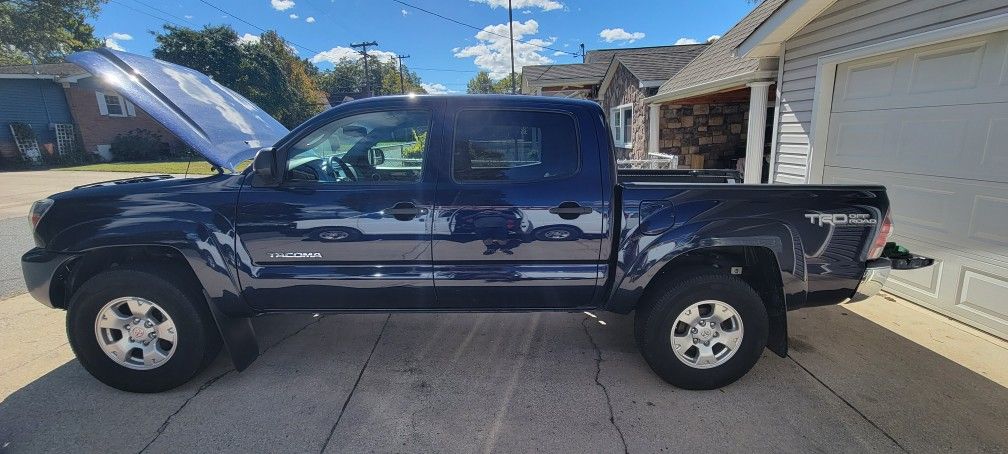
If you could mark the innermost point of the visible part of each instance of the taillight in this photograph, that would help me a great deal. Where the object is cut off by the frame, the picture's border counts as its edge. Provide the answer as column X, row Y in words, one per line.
column 39, row 209
column 881, row 238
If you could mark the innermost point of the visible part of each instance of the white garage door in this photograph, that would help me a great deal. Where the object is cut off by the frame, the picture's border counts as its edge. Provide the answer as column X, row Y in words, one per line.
column 931, row 124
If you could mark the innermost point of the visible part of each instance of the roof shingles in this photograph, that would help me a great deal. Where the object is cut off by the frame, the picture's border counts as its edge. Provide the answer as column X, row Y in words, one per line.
column 718, row 61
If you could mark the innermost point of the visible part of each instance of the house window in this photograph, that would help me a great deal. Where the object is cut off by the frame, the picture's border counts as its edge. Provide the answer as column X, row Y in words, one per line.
column 621, row 120
column 112, row 105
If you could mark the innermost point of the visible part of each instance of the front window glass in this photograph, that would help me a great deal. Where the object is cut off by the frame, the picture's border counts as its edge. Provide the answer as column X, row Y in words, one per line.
column 373, row 147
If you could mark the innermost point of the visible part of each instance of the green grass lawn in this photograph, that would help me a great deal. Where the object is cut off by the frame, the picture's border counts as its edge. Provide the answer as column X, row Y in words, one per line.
column 173, row 167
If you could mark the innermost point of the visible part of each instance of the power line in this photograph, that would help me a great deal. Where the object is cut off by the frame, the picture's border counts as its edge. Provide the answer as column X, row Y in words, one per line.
column 167, row 21
column 456, row 21
column 161, row 11
column 262, row 30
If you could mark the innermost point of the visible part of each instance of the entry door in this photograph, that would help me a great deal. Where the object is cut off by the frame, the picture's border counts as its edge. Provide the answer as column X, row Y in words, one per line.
column 518, row 220
column 350, row 227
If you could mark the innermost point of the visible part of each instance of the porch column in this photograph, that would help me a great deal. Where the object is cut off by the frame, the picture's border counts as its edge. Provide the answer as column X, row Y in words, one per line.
column 654, row 116
column 755, row 132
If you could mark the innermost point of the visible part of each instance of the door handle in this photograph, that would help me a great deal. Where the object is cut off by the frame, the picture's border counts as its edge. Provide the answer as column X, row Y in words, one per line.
column 569, row 210
column 404, row 211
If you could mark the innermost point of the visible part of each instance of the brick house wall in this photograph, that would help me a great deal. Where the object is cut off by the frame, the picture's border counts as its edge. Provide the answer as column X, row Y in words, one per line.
column 625, row 89
column 94, row 129
column 715, row 132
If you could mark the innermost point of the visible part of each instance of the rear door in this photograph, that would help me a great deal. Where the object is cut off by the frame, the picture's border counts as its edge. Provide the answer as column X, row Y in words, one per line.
column 518, row 212
column 350, row 227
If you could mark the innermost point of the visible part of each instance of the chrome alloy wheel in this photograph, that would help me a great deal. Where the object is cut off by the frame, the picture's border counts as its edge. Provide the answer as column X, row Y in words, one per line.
column 136, row 333
column 707, row 334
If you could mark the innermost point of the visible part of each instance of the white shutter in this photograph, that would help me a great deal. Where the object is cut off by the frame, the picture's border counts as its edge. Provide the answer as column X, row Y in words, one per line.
column 130, row 111
column 102, row 107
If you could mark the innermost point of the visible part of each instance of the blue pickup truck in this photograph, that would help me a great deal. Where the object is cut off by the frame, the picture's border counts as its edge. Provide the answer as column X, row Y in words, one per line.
column 432, row 203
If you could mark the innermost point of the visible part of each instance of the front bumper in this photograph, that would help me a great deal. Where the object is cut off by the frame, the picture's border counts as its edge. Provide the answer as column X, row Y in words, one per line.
column 44, row 273
column 875, row 276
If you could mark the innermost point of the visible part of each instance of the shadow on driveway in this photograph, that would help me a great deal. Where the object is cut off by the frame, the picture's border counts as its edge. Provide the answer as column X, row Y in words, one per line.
column 522, row 382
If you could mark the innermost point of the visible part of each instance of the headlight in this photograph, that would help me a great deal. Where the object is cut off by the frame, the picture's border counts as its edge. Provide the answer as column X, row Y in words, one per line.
column 39, row 209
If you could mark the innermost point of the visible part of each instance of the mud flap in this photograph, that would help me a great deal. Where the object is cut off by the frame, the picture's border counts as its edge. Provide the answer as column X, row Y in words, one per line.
column 238, row 336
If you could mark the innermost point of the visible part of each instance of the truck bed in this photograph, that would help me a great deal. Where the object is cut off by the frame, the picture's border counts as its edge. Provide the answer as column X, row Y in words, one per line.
column 678, row 176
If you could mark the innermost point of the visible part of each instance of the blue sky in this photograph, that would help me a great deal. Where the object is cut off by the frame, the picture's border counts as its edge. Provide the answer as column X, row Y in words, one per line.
column 445, row 54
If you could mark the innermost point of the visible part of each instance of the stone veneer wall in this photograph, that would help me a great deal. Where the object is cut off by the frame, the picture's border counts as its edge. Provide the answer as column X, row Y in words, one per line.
column 624, row 89
column 715, row 131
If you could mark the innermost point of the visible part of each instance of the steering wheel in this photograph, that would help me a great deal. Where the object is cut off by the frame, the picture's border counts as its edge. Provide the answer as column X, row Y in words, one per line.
column 335, row 160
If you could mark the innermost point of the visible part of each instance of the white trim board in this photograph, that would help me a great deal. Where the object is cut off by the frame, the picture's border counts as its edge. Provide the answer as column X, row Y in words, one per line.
column 822, row 98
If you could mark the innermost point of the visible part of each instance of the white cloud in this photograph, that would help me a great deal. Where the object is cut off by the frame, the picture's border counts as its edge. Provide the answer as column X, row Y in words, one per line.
column 404, row 12
column 682, row 41
column 112, row 41
column 618, row 34
column 559, row 53
column 310, row 19
column 338, row 53
column 282, row 5
column 189, row 16
column 545, row 5
column 293, row 16
column 436, row 89
column 493, row 51
column 248, row 38
column 712, row 38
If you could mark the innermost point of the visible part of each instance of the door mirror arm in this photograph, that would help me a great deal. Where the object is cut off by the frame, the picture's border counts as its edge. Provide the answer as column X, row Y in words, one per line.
column 265, row 172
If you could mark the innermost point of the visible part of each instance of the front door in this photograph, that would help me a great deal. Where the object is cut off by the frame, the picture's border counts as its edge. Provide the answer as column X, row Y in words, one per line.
column 350, row 226
column 518, row 217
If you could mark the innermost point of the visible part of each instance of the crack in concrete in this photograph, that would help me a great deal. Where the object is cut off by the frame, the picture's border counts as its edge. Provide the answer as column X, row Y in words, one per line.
column 212, row 380
column 850, row 405
column 605, row 390
column 332, row 430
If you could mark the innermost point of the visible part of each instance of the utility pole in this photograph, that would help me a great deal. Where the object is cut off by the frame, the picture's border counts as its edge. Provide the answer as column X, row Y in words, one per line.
column 367, row 73
column 511, row 26
column 582, row 53
column 402, row 87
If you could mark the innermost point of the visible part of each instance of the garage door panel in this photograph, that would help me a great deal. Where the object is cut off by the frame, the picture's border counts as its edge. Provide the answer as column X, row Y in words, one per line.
column 967, row 216
column 966, row 71
column 958, row 285
column 967, row 141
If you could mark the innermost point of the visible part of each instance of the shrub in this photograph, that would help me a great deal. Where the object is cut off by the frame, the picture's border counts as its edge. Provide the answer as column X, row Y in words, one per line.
column 415, row 150
column 139, row 145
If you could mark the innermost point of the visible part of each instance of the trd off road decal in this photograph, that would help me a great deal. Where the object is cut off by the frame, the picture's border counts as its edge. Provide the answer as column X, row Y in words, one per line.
column 822, row 219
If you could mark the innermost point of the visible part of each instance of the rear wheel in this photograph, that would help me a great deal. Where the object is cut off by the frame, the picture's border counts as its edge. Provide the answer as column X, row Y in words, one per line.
column 702, row 332
column 141, row 330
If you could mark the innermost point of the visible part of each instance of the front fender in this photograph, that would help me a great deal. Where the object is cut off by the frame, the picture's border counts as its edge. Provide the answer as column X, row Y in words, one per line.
column 641, row 257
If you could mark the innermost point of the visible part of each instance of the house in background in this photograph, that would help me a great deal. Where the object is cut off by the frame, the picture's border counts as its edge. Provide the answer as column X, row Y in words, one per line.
column 713, row 112
column 67, row 108
column 619, row 79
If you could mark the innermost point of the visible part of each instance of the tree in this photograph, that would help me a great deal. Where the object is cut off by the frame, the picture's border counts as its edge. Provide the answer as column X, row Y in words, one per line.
column 45, row 30
column 347, row 75
column 504, row 85
column 480, row 84
column 266, row 71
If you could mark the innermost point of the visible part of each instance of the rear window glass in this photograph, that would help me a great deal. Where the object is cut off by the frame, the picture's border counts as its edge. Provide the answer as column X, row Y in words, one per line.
column 504, row 145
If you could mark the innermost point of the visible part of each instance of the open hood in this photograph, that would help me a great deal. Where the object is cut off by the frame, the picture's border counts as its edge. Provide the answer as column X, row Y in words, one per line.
column 218, row 123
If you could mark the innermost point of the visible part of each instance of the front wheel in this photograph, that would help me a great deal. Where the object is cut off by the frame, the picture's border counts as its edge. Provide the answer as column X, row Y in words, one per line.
column 141, row 330
column 702, row 332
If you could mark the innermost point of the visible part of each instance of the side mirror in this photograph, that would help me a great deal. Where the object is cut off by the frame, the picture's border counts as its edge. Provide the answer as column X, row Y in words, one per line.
column 376, row 157
column 264, row 168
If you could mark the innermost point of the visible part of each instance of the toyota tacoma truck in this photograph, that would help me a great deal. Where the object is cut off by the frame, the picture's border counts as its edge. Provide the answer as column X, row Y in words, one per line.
column 432, row 204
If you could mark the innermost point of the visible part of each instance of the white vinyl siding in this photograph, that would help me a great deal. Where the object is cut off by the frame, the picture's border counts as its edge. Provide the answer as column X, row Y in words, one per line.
column 621, row 122
column 843, row 26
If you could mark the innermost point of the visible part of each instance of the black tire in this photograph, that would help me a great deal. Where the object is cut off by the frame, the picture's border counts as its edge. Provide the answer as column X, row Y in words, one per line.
column 656, row 318
column 198, row 340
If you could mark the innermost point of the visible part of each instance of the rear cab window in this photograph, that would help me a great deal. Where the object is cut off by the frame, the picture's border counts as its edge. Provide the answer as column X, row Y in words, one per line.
column 514, row 146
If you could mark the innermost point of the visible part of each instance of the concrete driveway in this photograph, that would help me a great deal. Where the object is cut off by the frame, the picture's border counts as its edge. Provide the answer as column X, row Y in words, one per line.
column 904, row 381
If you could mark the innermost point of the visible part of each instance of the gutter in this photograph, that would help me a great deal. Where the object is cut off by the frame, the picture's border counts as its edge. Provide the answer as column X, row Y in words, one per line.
column 713, row 86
